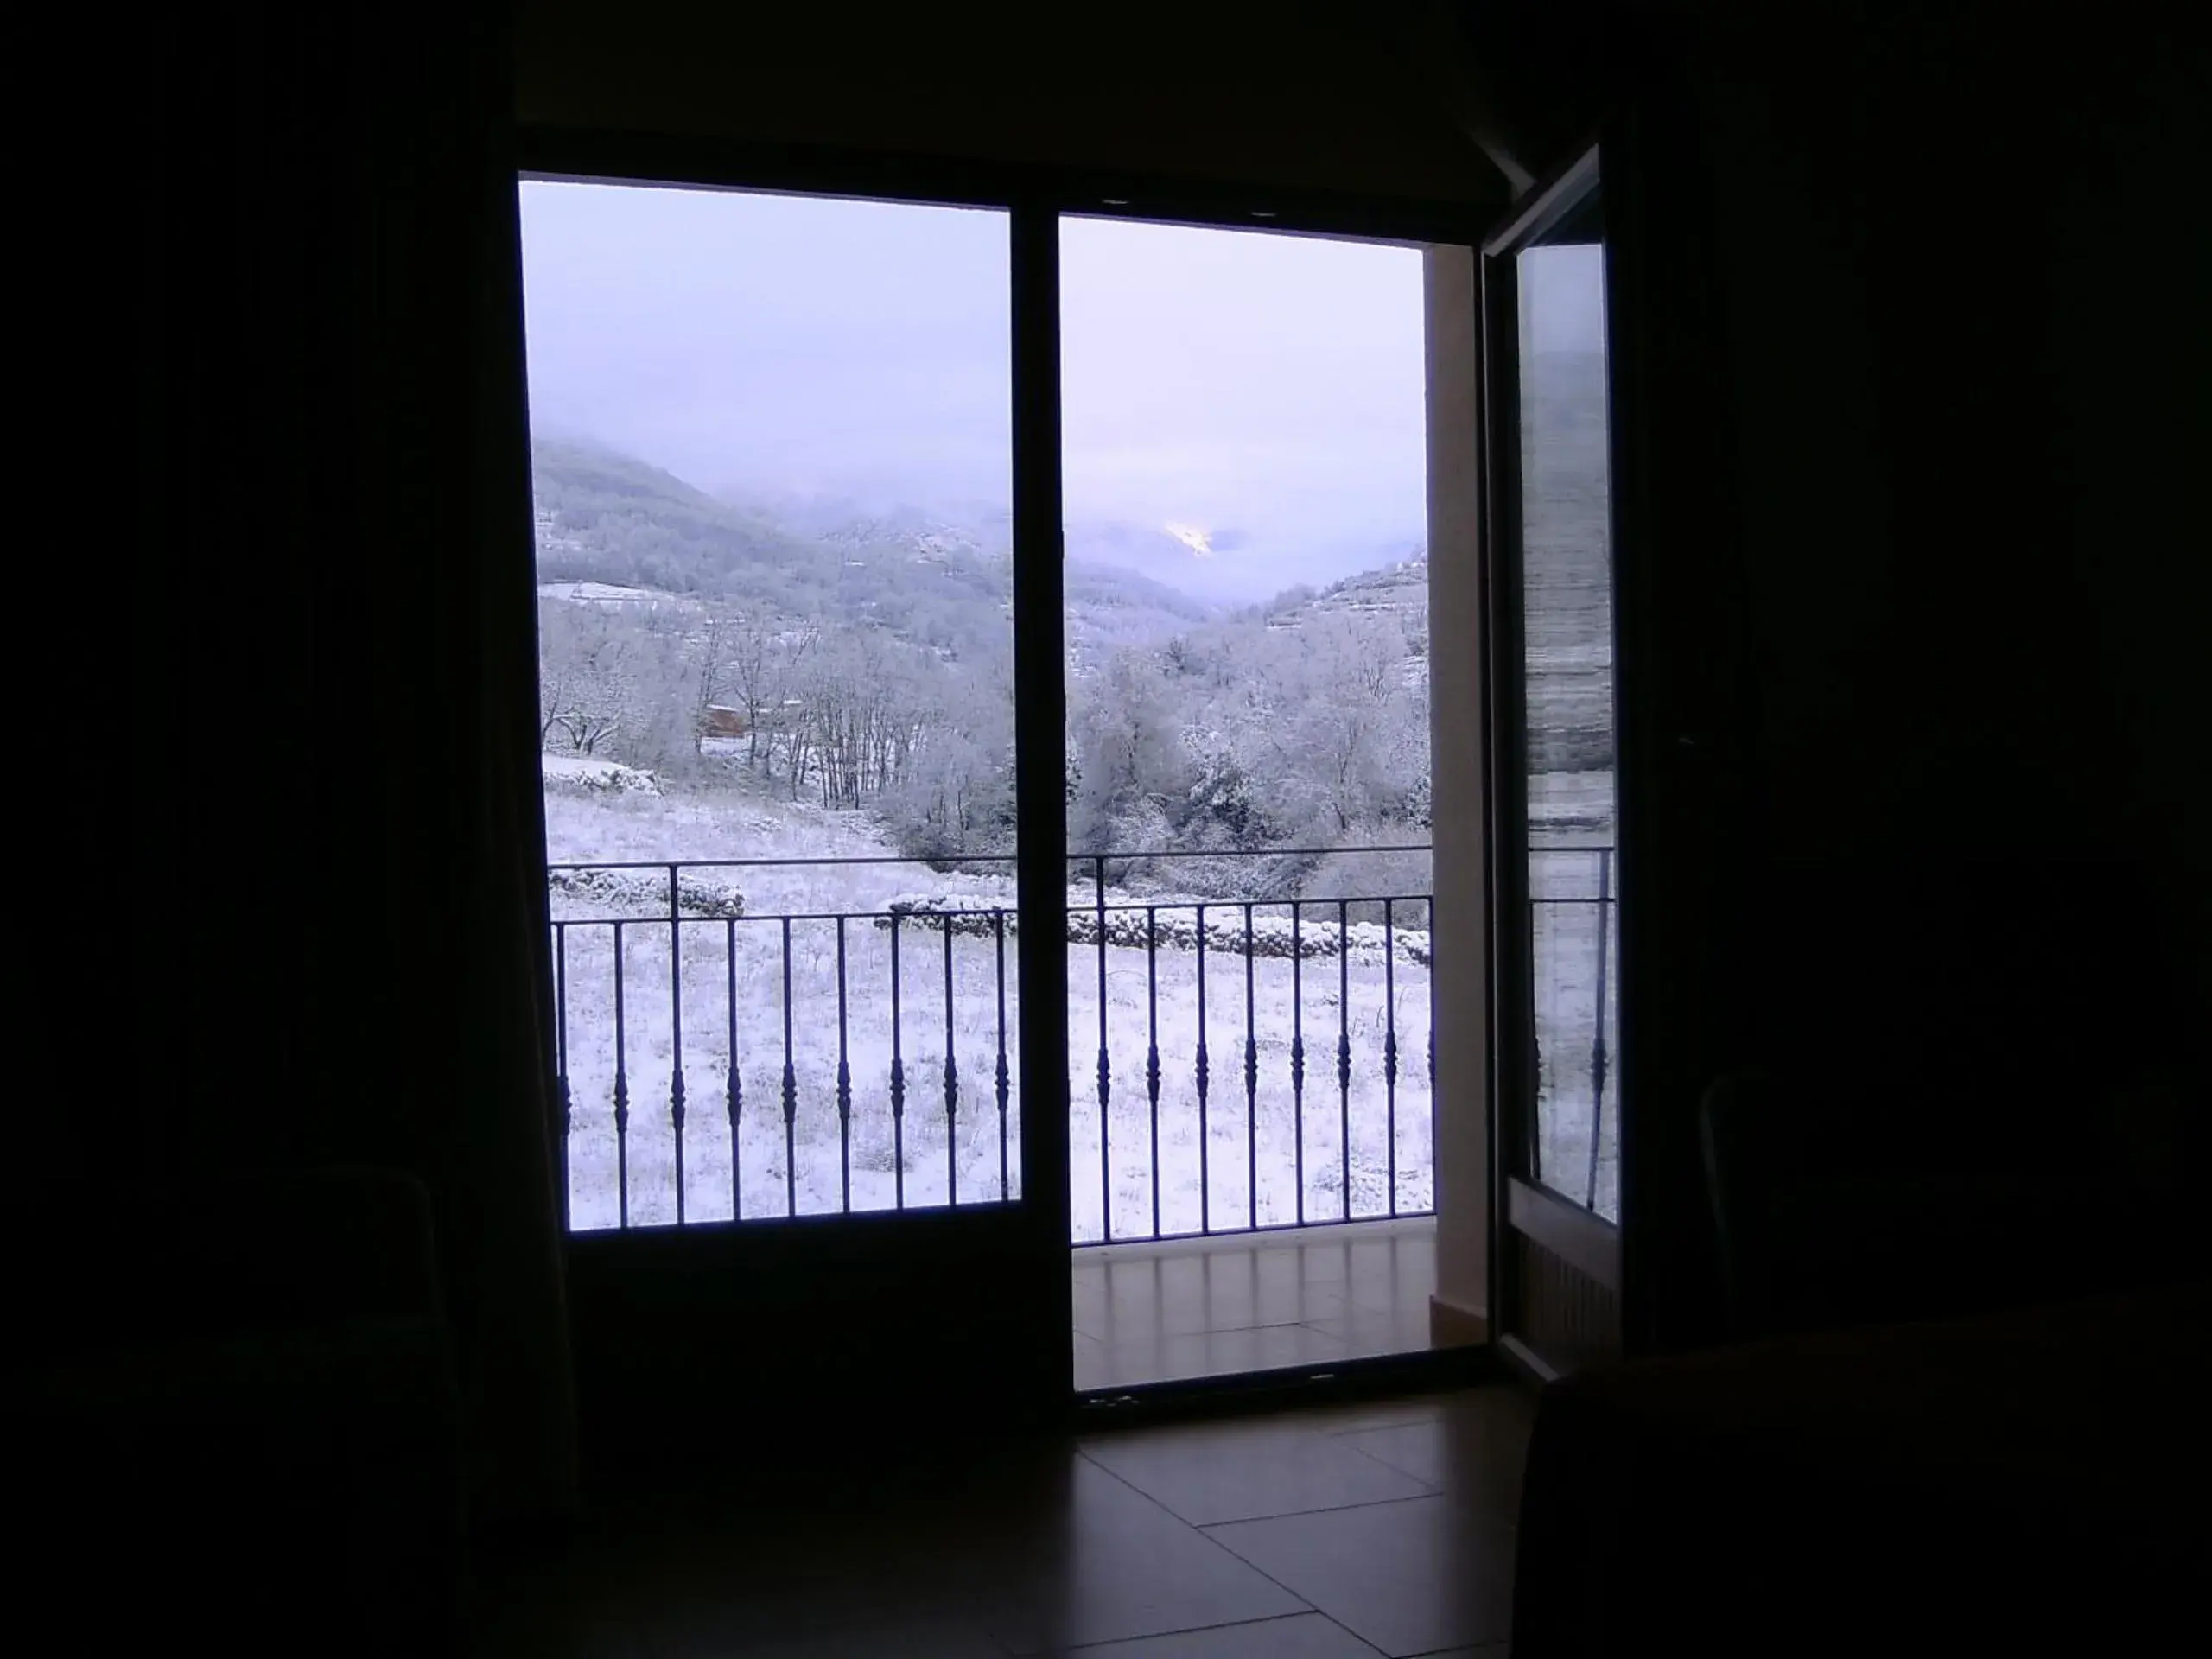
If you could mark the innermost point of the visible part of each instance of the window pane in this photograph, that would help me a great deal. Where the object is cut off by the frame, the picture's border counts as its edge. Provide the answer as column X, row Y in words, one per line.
column 772, row 469
column 1568, row 632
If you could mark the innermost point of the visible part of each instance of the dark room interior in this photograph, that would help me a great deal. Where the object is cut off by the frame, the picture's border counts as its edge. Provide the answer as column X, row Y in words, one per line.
column 1898, row 1340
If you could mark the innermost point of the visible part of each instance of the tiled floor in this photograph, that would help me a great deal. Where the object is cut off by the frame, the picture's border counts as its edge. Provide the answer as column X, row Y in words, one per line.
column 1327, row 1534
column 1158, row 1313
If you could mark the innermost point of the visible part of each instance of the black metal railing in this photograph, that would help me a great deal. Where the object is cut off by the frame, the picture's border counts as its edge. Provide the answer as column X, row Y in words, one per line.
column 1250, row 932
column 687, row 927
column 887, row 1041
column 1575, row 952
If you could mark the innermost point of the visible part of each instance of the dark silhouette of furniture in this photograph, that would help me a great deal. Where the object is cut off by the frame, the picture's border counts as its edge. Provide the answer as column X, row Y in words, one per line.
column 242, row 1415
column 2030, row 1481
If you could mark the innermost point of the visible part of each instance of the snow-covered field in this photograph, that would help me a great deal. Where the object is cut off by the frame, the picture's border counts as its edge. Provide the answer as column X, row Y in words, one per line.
column 1256, row 1157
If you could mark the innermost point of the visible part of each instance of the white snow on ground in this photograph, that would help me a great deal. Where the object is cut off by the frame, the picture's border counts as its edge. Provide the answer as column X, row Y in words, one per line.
column 591, row 775
column 1256, row 1157
column 604, row 593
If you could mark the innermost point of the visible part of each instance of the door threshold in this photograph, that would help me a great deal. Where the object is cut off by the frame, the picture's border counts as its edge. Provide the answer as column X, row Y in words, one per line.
column 1376, row 1376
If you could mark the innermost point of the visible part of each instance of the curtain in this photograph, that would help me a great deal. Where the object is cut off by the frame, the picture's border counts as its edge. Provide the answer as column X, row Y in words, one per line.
column 335, row 802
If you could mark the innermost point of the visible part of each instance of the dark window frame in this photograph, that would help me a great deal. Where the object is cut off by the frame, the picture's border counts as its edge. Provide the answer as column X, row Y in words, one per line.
column 1035, row 198
column 1522, row 1206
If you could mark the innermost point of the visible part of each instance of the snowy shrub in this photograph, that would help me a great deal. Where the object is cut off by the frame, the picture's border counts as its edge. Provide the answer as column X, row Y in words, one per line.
column 1418, row 807
column 1356, row 872
column 1177, row 929
column 1222, row 807
column 644, row 892
column 585, row 774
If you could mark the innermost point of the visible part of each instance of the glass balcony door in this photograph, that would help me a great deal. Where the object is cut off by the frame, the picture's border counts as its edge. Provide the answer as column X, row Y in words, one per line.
column 1557, row 880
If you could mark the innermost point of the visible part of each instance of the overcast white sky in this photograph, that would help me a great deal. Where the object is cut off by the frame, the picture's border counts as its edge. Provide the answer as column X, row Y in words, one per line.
column 1266, row 389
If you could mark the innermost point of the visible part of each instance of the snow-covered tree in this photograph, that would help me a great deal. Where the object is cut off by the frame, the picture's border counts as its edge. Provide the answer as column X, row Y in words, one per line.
column 1124, row 732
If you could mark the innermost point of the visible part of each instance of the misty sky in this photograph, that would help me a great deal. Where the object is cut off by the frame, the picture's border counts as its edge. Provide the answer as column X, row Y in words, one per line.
column 1264, row 391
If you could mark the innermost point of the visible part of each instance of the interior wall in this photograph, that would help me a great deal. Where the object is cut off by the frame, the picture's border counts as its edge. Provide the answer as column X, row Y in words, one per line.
column 1962, row 427
column 1295, row 97
column 2129, row 358
column 1953, row 356
column 1460, row 825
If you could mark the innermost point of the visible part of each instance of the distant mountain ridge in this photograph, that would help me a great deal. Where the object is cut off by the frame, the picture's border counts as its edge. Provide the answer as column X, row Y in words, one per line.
column 604, row 516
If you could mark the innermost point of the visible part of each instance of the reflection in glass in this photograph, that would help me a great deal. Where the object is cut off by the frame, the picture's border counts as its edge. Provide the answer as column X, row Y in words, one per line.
column 1568, row 632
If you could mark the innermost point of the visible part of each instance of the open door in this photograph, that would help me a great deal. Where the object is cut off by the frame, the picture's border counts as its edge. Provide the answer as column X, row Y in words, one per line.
column 1556, row 886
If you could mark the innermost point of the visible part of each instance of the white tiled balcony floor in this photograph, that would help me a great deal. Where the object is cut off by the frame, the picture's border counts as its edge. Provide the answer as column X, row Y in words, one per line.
column 1155, row 1313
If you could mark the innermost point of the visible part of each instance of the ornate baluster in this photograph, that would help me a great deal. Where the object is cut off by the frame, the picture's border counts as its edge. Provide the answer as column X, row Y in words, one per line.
column 1598, row 1040
column 952, row 1082
column 1205, row 1183
column 734, row 1087
column 560, row 1049
column 1151, row 1046
column 1391, row 1045
column 1298, row 1056
column 1251, row 1083
column 675, row 1031
column 844, row 1088
column 898, row 1083
column 1343, row 1050
column 1432, row 1050
column 1105, row 1071
column 1431, row 1016
column 621, row 1095
column 790, row 1088
column 1002, row 1082
column 1535, row 1104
